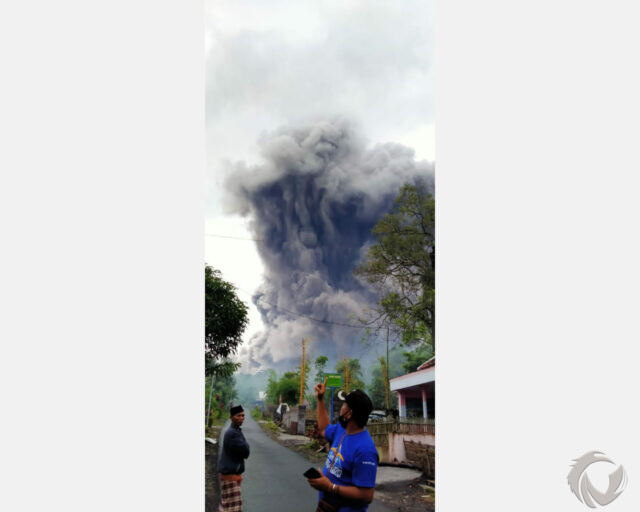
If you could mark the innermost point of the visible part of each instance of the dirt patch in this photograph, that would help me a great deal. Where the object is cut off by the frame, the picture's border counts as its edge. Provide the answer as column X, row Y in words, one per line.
column 415, row 496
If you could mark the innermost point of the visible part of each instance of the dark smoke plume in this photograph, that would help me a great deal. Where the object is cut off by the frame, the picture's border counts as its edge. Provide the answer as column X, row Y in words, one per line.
column 312, row 204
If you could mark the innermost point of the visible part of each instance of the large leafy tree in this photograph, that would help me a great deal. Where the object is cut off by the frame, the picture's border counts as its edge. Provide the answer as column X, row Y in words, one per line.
column 401, row 264
column 226, row 318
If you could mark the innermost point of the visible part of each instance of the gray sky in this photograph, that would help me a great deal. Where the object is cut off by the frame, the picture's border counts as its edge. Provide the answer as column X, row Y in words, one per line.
column 284, row 65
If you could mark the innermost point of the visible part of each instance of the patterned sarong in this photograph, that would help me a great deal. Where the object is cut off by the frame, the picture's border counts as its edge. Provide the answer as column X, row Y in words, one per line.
column 231, row 500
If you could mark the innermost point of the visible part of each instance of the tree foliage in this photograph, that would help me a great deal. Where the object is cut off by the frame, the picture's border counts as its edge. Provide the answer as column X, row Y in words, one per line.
column 224, row 391
column 287, row 386
column 375, row 389
column 272, row 388
column 319, row 364
column 401, row 264
column 355, row 374
column 221, row 368
column 226, row 318
column 377, row 392
column 414, row 358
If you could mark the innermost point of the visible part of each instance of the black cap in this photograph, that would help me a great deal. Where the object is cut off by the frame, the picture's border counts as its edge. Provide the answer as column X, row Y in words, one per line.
column 235, row 410
column 359, row 402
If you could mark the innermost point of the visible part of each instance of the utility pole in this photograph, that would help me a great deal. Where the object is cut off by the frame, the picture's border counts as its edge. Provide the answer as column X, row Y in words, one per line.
column 210, row 395
column 386, row 376
column 346, row 374
column 304, row 342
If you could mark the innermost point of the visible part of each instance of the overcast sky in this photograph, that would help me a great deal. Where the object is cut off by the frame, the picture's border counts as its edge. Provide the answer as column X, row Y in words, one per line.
column 274, row 64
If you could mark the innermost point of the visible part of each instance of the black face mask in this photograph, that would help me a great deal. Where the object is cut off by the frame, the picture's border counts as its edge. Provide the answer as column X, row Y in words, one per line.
column 343, row 421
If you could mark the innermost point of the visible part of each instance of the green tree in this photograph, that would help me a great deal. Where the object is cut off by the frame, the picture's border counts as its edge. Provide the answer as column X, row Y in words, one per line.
column 273, row 393
column 376, row 390
column 355, row 373
column 401, row 264
column 220, row 390
column 289, row 387
column 226, row 318
column 319, row 365
column 414, row 358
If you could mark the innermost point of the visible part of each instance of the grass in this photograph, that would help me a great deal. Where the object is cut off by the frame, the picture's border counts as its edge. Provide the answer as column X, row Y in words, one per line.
column 213, row 430
column 313, row 445
column 271, row 426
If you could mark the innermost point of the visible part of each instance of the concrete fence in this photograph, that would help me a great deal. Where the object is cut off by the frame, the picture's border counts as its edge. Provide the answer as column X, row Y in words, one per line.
column 291, row 419
column 405, row 441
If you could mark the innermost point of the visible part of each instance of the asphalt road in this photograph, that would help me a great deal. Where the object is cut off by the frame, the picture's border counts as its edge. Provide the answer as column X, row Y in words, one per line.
column 273, row 480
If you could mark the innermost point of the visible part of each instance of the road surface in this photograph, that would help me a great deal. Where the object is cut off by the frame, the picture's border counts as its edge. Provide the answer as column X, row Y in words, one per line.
column 273, row 480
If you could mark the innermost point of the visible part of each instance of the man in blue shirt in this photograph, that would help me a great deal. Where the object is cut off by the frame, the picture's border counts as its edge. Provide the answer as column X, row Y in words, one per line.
column 349, row 474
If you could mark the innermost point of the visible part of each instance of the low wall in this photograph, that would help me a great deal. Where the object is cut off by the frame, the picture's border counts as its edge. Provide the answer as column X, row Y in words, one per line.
column 291, row 416
column 423, row 456
column 212, row 484
column 412, row 449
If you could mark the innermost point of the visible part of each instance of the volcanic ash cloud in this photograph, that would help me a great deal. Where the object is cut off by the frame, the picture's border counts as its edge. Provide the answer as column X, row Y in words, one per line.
column 312, row 204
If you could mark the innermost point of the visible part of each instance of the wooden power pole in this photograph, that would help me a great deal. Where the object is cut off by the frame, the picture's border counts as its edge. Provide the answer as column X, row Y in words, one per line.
column 385, row 376
column 346, row 375
column 387, row 392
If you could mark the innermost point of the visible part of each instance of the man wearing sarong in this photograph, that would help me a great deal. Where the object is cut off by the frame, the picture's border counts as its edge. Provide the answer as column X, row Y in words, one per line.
column 234, row 450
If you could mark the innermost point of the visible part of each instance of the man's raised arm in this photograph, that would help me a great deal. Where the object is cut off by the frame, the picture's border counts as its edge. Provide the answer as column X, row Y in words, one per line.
column 323, row 417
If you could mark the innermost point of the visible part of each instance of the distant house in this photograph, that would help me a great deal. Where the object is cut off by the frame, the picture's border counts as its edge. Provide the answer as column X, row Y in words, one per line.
column 412, row 439
column 416, row 391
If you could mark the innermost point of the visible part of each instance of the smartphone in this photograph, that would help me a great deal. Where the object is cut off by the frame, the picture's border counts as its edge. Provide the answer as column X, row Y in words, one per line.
column 312, row 473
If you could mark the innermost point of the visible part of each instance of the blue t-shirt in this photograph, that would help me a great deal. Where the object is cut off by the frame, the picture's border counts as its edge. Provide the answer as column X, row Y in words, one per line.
column 356, row 464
